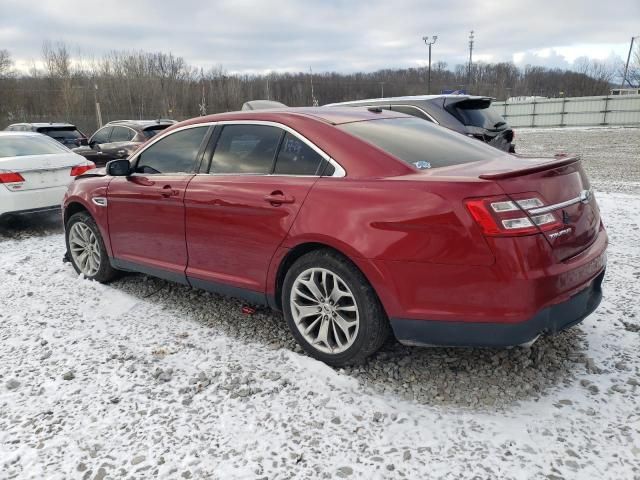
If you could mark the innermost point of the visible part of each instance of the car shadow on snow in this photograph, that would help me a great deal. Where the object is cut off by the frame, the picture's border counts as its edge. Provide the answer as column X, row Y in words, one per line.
column 459, row 377
column 19, row 227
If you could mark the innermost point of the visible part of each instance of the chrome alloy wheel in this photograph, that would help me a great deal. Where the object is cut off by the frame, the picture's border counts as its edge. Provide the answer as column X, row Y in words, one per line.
column 85, row 249
column 324, row 310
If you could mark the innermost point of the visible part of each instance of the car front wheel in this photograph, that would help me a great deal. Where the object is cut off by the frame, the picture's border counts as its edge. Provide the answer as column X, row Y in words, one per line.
column 331, row 309
column 86, row 249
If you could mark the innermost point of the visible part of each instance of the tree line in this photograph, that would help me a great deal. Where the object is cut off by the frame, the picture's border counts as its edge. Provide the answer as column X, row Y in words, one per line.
column 148, row 85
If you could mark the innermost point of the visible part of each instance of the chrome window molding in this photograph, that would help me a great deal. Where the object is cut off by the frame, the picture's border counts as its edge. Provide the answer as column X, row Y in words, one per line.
column 339, row 171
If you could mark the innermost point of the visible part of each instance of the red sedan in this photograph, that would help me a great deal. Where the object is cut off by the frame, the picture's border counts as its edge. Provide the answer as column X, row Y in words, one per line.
column 353, row 223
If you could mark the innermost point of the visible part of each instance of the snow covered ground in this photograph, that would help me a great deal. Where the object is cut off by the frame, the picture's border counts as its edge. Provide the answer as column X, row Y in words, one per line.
column 143, row 379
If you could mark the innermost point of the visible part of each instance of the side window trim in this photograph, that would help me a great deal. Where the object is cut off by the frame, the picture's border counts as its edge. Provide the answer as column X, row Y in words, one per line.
column 338, row 172
column 103, row 128
column 206, row 163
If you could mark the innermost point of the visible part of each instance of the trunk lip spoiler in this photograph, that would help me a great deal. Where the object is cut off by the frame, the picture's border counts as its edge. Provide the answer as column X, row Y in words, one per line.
column 558, row 161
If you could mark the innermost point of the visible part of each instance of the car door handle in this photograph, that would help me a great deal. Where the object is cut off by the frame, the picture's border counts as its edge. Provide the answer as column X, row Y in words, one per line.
column 278, row 198
column 167, row 191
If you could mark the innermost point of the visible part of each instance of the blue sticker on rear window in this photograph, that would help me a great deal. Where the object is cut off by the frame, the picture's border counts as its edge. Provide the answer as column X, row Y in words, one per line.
column 422, row 164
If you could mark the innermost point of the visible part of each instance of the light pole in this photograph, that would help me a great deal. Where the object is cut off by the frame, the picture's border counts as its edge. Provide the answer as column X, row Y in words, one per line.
column 429, row 43
column 626, row 66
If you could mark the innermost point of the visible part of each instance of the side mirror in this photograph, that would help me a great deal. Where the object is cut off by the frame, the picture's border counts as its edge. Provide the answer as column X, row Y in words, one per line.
column 81, row 142
column 119, row 168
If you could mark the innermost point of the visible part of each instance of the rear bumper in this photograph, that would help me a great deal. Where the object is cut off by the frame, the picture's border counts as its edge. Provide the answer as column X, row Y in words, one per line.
column 548, row 321
column 31, row 201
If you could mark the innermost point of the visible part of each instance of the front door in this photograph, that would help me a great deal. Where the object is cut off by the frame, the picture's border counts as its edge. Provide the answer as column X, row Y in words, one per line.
column 238, row 215
column 146, row 210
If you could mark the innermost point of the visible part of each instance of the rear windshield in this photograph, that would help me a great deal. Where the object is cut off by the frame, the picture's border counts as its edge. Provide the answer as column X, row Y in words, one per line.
column 61, row 133
column 477, row 114
column 152, row 131
column 19, row 146
column 420, row 143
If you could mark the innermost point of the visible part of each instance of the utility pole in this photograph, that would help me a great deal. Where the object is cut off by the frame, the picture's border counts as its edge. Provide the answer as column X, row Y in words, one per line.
column 381, row 89
column 98, row 112
column 429, row 43
column 626, row 67
column 314, row 100
column 470, row 59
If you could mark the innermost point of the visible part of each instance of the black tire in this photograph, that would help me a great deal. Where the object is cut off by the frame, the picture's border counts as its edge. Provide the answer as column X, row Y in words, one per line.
column 373, row 328
column 106, row 272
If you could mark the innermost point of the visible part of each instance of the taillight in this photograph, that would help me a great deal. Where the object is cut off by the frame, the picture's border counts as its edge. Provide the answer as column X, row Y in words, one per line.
column 504, row 216
column 10, row 177
column 80, row 169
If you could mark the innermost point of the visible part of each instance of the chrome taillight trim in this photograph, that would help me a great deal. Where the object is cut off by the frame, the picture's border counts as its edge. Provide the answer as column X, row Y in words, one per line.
column 584, row 197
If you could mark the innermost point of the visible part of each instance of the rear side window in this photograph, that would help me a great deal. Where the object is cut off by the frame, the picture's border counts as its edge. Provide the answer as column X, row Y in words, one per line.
column 175, row 153
column 420, row 144
column 246, row 149
column 19, row 146
column 297, row 158
column 122, row 134
column 102, row 135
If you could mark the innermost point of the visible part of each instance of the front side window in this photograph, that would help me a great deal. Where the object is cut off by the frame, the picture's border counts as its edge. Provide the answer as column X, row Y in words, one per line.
column 122, row 134
column 175, row 153
column 102, row 135
column 248, row 149
column 295, row 157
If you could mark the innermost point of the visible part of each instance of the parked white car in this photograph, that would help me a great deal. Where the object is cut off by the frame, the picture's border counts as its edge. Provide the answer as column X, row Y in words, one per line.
column 35, row 171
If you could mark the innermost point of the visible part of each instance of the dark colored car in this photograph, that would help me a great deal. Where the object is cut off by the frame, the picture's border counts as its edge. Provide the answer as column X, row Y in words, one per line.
column 467, row 114
column 353, row 223
column 65, row 133
column 119, row 139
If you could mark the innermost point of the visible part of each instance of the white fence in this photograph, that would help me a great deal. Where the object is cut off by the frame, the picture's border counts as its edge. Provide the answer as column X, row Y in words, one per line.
column 572, row 111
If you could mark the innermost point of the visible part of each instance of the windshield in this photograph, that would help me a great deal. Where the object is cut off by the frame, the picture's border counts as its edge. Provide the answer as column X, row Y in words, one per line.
column 20, row 146
column 61, row 133
column 420, row 143
column 478, row 113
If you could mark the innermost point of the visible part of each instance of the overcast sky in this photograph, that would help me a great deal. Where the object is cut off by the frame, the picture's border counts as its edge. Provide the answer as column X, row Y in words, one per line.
column 330, row 35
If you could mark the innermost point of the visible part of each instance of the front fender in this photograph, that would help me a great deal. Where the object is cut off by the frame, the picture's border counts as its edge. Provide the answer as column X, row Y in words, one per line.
column 80, row 196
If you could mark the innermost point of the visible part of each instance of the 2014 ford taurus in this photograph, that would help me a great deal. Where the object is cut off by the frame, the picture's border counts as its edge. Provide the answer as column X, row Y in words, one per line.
column 354, row 223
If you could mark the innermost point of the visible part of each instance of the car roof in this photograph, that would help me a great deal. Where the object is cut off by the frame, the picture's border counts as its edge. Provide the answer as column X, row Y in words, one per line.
column 409, row 98
column 45, row 124
column 333, row 116
column 19, row 134
column 142, row 123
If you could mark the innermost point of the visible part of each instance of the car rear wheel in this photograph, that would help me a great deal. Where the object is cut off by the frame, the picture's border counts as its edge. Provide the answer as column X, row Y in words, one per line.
column 86, row 248
column 331, row 309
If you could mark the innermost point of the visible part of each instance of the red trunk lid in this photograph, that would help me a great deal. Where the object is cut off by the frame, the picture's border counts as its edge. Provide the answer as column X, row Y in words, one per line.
column 565, row 191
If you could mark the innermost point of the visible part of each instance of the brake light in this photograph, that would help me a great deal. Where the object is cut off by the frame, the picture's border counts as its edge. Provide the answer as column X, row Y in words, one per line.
column 80, row 169
column 11, row 177
column 504, row 216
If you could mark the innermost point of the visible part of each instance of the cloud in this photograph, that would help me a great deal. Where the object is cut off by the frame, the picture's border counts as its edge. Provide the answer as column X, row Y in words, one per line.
column 331, row 35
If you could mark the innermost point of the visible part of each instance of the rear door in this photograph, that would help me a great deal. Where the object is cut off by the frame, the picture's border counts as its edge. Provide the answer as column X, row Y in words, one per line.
column 238, row 214
column 146, row 209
